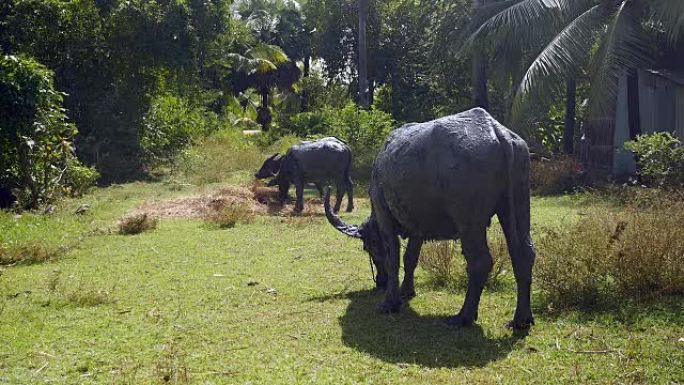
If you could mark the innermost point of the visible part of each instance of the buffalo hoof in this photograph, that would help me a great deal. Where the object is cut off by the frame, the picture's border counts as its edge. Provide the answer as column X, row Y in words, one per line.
column 407, row 293
column 523, row 324
column 350, row 209
column 389, row 307
column 460, row 321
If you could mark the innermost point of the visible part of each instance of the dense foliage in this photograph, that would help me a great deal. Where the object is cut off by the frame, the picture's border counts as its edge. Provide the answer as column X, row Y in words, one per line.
column 142, row 79
column 36, row 139
column 660, row 158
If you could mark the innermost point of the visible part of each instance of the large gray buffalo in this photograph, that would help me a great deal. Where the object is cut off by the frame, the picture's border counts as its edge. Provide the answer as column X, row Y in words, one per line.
column 445, row 180
column 324, row 160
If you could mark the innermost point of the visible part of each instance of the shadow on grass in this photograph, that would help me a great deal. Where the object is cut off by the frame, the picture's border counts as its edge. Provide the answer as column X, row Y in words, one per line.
column 411, row 338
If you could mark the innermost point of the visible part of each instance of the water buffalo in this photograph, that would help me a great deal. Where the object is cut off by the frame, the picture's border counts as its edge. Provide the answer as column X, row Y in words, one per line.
column 323, row 160
column 444, row 180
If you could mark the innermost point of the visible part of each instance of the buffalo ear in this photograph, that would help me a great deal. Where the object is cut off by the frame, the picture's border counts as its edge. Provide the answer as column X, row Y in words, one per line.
column 274, row 156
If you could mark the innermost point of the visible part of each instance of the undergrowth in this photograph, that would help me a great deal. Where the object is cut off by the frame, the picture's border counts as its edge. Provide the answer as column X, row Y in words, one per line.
column 635, row 250
column 558, row 175
column 29, row 252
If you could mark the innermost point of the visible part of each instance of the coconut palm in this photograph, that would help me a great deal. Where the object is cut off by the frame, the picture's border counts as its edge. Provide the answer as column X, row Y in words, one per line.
column 615, row 36
column 263, row 67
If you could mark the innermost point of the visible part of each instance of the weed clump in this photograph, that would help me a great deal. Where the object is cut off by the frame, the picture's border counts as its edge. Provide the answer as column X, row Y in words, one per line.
column 28, row 253
column 137, row 224
column 229, row 215
column 630, row 252
column 446, row 268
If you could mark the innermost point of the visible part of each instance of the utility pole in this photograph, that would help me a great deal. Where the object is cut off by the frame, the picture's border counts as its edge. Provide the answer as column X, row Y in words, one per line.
column 364, row 99
column 479, row 75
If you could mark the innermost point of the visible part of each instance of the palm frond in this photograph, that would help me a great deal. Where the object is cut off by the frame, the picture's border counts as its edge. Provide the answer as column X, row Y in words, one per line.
column 250, row 65
column 566, row 51
column 520, row 17
column 624, row 47
column 271, row 53
column 670, row 13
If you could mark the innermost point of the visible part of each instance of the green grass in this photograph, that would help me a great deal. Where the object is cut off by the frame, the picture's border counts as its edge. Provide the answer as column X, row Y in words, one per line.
column 287, row 301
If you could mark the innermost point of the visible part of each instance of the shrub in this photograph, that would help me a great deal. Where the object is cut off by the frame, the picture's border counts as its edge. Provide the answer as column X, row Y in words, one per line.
column 633, row 251
column 137, row 224
column 230, row 215
column 557, row 175
column 80, row 179
column 660, row 157
column 170, row 125
column 36, row 139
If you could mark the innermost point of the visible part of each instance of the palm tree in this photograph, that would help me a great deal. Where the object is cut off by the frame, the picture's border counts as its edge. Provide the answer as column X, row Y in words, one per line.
column 615, row 36
column 263, row 67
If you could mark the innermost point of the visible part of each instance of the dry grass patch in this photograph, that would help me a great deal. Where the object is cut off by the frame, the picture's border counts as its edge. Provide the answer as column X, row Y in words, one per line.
column 238, row 202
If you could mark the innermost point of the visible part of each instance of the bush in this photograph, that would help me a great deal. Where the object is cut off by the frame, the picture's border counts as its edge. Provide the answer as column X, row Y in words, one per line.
column 80, row 179
column 557, row 175
column 660, row 157
column 170, row 125
column 36, row 139
column 137, row 224
column 633, row 251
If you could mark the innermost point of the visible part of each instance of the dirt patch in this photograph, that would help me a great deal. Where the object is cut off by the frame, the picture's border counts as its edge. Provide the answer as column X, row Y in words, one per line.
column 206, row 205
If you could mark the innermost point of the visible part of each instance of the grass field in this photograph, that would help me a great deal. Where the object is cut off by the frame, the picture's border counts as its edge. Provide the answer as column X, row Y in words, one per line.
column 287, row 300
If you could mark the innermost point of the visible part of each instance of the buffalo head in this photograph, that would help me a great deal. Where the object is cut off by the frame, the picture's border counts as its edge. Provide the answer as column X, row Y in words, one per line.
column 368, row 233
column 270, row 167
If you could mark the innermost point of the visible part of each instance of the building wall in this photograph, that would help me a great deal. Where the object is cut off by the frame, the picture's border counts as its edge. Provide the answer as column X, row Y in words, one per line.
column 661, row 108
column 657, row 101
column 623, row 160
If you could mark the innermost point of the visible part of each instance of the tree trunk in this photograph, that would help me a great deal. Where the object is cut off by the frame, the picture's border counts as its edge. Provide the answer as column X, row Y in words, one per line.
column 363, row 59
column 371, row 92
column 479, row 75
column 634, row 114
column 570, row 115
column 264, row 114
column 305, row 92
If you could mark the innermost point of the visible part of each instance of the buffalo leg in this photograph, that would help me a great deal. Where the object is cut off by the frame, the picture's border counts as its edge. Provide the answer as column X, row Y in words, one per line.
column 411, row 256
column 320, row 189
column 299, row 206
column 479, row 265
column 349, row 186
column 338, row 198
column 392, row 301
column 522, row 257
